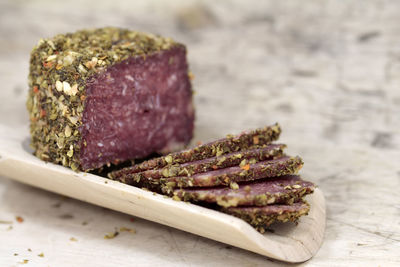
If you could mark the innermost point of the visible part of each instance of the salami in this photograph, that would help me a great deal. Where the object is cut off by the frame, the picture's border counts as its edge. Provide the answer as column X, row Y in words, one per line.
column 243, row 141
column 108, row 95
column 190, row 168
column 270, row 168
column 262, row 217
column 282, row 190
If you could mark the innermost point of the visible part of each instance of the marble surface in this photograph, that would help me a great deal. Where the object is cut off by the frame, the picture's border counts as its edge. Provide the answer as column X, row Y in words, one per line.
column 328, row 71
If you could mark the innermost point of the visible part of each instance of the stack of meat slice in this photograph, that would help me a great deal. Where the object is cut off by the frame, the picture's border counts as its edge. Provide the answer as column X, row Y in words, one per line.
column 244, row 175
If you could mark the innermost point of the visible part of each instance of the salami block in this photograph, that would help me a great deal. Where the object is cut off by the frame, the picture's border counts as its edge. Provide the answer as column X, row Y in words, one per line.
column 243, row 141
column 270, row 168
column 281, row 190
column 262, row 217
column 108, row 95
column 214, row 163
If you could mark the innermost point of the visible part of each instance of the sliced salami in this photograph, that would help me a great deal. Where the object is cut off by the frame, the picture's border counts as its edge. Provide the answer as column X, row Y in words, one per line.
column 228, row 160
column 282, row 190
column 270, row 168
column 243, row 141
column 262, row 217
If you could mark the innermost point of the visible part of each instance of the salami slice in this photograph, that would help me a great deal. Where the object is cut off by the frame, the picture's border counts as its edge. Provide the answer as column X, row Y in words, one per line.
column 228, row 160
column 243, row 141
column 271, row 168
column 262, row 217
column 283, row 190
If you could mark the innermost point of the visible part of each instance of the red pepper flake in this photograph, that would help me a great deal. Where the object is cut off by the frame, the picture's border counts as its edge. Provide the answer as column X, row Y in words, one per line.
column 42, row 113
column 246, row 167
column 214, row 167
column 35, row 89
column 131, row 219
column 256, row 140
column 19, row 219
column 199, row 143
column 48, row 65
column 83, row 97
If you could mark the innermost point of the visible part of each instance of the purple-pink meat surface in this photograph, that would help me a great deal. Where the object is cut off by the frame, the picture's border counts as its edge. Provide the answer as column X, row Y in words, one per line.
column 137, row 107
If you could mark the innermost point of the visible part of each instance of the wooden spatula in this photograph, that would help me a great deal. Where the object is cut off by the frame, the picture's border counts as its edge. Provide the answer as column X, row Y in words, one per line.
column 288, row 242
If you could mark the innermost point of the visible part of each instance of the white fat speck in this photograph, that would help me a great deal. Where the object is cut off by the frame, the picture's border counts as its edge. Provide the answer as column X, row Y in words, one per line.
column 112, row 143
column 100, row 144
column 171, row 80
column 120, row 123
column 124, row 89
column 163, row 118
column 157, row 102
column 129, row 77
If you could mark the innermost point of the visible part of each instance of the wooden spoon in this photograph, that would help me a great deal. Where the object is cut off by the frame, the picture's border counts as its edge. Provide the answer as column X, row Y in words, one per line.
column 288, row 242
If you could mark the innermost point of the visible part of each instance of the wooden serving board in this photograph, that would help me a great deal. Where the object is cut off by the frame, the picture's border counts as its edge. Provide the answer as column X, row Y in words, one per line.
column 288, row 242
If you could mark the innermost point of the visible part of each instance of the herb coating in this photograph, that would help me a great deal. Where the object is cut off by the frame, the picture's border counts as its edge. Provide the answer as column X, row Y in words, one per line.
column 59, row 69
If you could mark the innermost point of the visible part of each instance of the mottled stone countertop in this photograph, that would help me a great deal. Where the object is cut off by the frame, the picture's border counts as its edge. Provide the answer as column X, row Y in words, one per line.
column 328, row 71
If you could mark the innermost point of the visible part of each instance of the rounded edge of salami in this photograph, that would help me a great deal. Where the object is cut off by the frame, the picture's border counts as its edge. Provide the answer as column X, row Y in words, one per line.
column 269, row 152
column 271, row 168
column 262, row 217
column 281, row 190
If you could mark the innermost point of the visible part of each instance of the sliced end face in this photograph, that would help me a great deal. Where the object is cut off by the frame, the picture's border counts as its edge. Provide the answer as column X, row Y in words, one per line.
column 137, row 107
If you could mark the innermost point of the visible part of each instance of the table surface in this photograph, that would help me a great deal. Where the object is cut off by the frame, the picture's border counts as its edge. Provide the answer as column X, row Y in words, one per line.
column 328, row 71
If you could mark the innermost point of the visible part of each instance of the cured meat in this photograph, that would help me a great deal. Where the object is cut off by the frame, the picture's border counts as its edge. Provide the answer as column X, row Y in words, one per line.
column 249, row 179
column 243, row 141
column 283, row 190
column 209, row 164
column 108, row 95
column 270, row 168
column 262, row 217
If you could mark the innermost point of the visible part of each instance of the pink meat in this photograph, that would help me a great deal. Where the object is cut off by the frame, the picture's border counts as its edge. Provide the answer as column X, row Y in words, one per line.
column 137, row 107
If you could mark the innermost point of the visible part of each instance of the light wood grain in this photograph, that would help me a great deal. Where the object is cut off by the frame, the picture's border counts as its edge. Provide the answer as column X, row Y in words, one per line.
column 290, row 244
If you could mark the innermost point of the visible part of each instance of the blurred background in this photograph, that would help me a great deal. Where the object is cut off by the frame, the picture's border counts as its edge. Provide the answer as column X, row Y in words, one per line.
column 327, row 71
